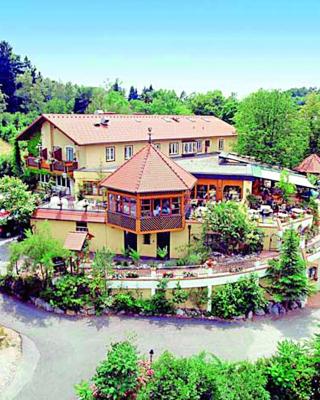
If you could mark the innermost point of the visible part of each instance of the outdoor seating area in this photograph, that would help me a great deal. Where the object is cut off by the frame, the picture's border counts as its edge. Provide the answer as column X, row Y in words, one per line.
column 69, row 203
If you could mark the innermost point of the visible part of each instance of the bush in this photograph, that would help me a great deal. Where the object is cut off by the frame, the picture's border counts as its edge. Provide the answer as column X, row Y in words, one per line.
column 70, row 292
column 22, row 287
column 290, row 372
column 125, row 302
column 238, row 298
column 235, row 232
column 116, row 378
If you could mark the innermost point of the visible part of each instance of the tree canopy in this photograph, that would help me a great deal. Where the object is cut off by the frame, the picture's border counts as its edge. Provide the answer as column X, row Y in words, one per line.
column 271, row 128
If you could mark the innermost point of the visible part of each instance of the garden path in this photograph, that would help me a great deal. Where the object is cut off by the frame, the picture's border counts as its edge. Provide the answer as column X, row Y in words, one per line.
column 59, row 351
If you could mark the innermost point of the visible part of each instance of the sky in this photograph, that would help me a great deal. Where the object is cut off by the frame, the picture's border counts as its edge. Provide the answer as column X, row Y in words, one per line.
column 232, row 45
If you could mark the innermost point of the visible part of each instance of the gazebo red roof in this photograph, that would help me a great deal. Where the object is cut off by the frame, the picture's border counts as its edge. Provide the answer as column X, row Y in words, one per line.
column 149, row 171
column 310, row 165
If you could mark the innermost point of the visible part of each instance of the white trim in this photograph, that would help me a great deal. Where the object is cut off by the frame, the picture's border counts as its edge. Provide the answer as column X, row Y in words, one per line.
column 65, row 152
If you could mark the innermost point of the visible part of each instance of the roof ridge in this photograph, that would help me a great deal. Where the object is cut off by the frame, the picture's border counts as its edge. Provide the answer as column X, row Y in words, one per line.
column 144, row 165
column 168, row 161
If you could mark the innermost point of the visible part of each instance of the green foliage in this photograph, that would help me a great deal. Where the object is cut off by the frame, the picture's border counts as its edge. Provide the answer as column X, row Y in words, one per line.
column 290, row 372
column 235, row 231
column 6, row 166
column 214, row 103
column 162, row 253
column 17, row 162
column 238, row 298
column 12, row 124
column 310, row 111
column 287, row 188
column 16, row 199
column 37, row 251
column 33, row 144
column 3, row 103
column 116, row 378
column 159, row 302
column 270, row 128
column 287, row 280
column 135, row 256
column 179, row 295
column 241, row 381
column 102, row 264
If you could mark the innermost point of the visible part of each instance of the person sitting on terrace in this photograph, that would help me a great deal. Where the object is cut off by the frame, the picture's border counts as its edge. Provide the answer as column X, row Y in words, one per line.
column 166, row 208
column 157, row 210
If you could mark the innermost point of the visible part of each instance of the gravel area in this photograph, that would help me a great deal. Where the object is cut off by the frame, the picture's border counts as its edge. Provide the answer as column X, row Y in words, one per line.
column 10, row 356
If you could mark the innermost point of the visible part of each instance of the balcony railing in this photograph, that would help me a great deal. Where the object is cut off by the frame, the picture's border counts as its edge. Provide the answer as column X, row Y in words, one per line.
column 161, row 223
column 55, row 166
column 147, row 224
column 122, row 220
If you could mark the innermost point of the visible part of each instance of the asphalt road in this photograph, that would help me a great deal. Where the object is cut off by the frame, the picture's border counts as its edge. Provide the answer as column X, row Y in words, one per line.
column 60, row 351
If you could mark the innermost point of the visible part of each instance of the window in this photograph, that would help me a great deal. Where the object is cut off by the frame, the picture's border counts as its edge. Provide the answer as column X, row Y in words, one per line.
column 128, row 152
column 189, row 147
column 81, row 227
column 91, row 188
column 147, row 238
column 44, row 178
column 173, row 148
column 199, row 146
column 145, row 208
column 157, row 146
column 110, row 154
column 207, row 143
column 221, row 144
column 69, row 153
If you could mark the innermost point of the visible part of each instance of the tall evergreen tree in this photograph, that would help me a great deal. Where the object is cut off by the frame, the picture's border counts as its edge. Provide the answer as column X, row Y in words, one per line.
column 287, row 276
column 11, row 67
column 133, row 94
column 16, row 162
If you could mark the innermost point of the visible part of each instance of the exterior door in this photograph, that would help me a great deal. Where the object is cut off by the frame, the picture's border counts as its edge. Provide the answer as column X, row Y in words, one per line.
column 163, row 240
column 130, row 241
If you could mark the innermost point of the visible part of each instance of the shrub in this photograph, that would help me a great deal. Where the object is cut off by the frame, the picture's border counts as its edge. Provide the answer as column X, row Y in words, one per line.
column 238, row 298
column 290, row 372
column 69, row 292
column 124, row 302
column 116, row 378
column 235, row 231
column 22, row 287
column 159, row 304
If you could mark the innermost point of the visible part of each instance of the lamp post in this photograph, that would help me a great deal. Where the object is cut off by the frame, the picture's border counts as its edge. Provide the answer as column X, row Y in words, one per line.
column 151, row 353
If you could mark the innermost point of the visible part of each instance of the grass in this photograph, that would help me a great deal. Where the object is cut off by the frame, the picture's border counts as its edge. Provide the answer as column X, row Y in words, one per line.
column 5, row 148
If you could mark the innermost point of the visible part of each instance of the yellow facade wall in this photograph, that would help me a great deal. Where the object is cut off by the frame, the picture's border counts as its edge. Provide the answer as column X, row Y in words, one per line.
column 147, row 250
column 59, row 229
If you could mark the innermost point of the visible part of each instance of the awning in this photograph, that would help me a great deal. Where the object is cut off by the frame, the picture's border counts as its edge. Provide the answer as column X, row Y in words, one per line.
column 273, row 175
column 75, row 240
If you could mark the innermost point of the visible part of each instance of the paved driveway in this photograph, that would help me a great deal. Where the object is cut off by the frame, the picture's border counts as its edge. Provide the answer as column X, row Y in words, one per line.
column 61, row 351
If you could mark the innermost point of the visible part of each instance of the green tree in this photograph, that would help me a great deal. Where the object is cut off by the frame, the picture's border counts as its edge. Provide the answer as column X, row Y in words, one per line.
column 167, row 102
column 290, row 372
column 286, row 276
column 115, row 101
column 234, row 230
column 16, row 160
column 30, row 92
column 116, row 378
column 270, row 128
column 15, row 198
column 58, row 106
column 37, row 251
column 213, row 103
column 287, row 188
column 102, row 264
column 3, row 103
column 311, row 113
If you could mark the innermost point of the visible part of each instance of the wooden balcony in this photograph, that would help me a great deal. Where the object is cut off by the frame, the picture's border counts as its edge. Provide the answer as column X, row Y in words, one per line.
column 54, row 166
column 145, row 224
column 122, row 220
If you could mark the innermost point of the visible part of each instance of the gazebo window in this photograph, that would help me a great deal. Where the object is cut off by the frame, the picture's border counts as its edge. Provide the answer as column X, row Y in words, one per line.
column 146, row 207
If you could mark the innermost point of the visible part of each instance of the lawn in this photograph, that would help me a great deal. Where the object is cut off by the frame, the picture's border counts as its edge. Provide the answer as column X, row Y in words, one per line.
column 5, row 147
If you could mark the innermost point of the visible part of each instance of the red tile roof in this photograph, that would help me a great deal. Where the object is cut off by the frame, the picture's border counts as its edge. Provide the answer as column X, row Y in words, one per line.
column 75, row 241
column 82, row 129
column 147, row 171
column 69, row 215
column 310, row 165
